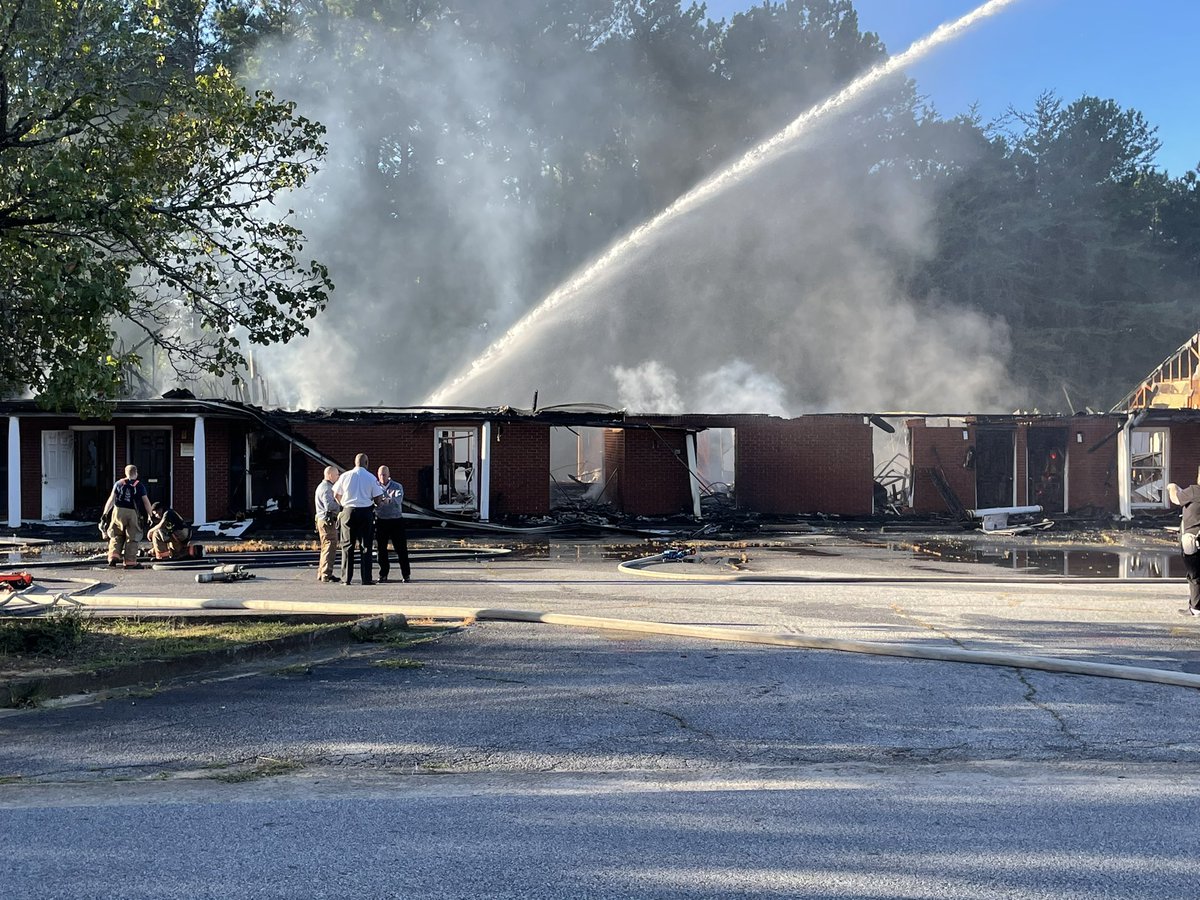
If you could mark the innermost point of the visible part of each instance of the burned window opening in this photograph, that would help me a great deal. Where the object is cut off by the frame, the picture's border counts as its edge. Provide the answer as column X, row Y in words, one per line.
column 892, row 490
column 456, row 470
column 716, row 468
column 1150, row 463
column 577, row 474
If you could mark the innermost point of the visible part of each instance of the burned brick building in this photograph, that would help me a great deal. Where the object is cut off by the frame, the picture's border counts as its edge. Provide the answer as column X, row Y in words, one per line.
column 215, row 460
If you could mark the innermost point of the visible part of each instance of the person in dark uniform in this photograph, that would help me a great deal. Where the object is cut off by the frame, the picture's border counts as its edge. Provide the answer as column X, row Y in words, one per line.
column 1189, row 539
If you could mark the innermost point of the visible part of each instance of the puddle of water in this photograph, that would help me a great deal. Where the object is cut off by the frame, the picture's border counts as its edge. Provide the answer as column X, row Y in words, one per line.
column 16, row 558
column 1054, row 561
column 567, row 551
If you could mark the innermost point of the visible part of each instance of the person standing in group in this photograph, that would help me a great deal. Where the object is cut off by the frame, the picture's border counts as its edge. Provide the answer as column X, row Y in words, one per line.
column 126, row 502
column 358, row 491
column 389, row 526
column 327, row 523
column 1189, row 538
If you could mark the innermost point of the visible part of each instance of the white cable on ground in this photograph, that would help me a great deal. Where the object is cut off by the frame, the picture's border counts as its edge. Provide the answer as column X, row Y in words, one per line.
column 702, row 632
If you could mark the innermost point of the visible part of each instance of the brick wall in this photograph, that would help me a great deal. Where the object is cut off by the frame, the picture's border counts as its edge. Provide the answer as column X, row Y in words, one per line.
column 1184, row 453
column 806, row 465
column 218, row 450
column 940, row 447
column 1092, row 475
column 406, row 448
column 614, row 464
column 520, row 469
column 654, row 475
column 1021, row 466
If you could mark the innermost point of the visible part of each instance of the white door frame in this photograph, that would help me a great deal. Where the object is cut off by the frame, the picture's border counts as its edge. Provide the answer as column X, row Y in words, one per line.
column 471, row 505
column 65, row 486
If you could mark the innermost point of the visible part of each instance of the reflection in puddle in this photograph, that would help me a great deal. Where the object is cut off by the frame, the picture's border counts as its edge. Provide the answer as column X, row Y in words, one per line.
column 1044, row 561
column 571, row 551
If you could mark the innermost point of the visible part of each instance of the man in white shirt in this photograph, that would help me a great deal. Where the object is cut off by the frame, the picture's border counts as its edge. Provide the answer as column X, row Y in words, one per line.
column 358, row 492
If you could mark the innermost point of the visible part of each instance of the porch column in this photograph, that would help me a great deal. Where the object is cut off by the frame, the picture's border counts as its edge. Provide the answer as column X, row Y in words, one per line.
column 199, row 474
column 14, row 472
column 693, row 477
column 1124, row 469
column 485, row 472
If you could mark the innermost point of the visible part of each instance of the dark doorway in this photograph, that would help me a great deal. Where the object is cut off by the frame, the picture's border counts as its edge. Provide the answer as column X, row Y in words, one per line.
column 993, row 467
column 1047, row 456
column 150, row 451
column 94, row 474
column 237, row 471
column 269, row 464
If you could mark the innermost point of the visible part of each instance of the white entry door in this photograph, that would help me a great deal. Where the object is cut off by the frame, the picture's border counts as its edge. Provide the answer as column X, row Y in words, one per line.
column 58, row 473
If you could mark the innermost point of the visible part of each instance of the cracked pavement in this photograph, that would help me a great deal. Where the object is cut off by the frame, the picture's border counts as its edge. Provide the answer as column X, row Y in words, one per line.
column 637, row 766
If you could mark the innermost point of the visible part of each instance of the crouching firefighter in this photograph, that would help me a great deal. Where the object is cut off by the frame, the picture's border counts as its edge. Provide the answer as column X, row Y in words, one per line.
column 126, row 503
column 169, row 533
column 327, row 523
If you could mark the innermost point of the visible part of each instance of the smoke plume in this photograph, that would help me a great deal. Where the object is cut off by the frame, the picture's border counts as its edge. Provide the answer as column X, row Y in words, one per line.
column 783, row 295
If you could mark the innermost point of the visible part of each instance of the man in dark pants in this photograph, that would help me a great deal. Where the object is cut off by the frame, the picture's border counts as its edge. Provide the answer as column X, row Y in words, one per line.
column 358, row 492
column 389, row 526
column 1189, row 536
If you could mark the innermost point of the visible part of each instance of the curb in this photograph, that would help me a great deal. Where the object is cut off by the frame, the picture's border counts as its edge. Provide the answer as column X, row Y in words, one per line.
column 23, row 692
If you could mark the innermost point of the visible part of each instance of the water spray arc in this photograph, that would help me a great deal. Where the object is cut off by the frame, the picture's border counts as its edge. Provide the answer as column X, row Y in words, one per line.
column 752, row 160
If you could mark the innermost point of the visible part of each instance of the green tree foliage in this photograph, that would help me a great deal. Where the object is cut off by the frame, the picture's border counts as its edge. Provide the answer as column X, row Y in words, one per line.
column 1061, row 226
column 136, row 183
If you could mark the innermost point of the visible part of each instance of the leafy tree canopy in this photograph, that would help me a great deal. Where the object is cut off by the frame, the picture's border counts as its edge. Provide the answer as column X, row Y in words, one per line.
column 137, row 191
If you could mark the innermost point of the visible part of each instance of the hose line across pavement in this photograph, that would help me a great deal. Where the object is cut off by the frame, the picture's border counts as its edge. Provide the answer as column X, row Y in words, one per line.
column 638, row 626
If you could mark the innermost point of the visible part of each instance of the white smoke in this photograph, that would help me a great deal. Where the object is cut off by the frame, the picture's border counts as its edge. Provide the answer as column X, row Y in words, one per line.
column 780, row 296
column 734, row 387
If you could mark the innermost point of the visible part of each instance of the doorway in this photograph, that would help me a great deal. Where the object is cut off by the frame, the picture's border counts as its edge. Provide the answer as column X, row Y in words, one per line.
column 576, row 467
column 1046, row 456
column 456, row 469
column 94, row 474
column 150, row 451
column 58, row 473
column 994, row 464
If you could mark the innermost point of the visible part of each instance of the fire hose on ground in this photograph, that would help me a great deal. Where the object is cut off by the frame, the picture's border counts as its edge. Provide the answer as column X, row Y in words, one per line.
column 701, row 632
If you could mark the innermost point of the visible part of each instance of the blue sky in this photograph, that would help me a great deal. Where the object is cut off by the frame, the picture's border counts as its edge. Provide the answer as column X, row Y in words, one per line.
column 1133, row 52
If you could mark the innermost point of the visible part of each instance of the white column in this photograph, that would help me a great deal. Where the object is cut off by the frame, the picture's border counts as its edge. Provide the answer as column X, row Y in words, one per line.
column 199, row 474
column 485, row 472
column 1125, row 469
column 14, row 472
column 692, row 476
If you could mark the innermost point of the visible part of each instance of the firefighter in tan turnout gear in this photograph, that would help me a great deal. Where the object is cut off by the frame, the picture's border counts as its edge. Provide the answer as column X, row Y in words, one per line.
column 121, row 519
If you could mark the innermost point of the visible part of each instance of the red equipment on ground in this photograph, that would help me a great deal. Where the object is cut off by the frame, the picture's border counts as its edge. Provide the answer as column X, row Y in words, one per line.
column 15, row 581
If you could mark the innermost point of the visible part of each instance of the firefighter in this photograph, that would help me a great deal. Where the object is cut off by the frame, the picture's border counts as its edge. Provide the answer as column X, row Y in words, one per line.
column 169, row 533
column 126, row 502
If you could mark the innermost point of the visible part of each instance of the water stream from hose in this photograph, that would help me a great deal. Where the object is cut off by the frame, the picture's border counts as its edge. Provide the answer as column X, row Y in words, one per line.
column 753, row 159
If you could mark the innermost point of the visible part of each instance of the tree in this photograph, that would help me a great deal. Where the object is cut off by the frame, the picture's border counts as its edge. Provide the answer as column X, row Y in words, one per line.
column 1061, row 226
column 138, row 186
